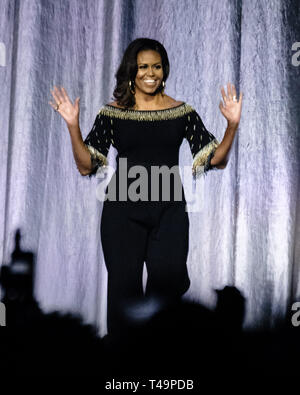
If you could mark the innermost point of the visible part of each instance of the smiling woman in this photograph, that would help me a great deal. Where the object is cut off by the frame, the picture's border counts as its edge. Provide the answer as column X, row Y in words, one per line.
column 147, row 221
column 146, row 127
column 143, row 69
column 150, row 73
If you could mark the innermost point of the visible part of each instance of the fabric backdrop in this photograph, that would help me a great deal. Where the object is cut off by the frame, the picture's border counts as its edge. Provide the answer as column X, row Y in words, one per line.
column 245, row 232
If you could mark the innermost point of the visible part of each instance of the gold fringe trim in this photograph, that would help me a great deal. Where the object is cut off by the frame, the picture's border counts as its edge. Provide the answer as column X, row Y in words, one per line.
column 96, row 157
column 144, row 115
column 202, row 159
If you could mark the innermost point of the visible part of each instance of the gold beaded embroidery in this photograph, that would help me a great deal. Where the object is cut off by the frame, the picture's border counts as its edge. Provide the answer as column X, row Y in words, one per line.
column 96, row 156
column 200, row 159
column 153, row 115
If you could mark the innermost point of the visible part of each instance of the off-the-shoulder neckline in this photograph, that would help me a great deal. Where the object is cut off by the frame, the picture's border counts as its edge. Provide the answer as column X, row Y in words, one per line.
column 147, row 115
column 143, row 111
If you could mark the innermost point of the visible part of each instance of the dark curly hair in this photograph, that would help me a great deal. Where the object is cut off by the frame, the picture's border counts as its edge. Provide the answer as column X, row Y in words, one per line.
column 128, row 69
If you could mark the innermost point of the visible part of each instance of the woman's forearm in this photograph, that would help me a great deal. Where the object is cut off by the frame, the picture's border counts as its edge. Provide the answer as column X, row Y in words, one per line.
column 81, row 153
column 222, row 152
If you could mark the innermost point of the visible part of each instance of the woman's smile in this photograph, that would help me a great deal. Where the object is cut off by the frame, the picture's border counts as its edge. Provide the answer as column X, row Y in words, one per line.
column 150, row 82
column 150, row 72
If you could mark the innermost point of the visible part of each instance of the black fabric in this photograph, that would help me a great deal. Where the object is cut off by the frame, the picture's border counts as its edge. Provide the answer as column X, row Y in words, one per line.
column 148, row 138
column 134, row 233
column 196, row 133
column 154, row 232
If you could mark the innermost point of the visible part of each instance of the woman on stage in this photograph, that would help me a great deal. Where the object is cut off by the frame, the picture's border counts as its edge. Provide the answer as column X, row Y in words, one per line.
column 146, row 127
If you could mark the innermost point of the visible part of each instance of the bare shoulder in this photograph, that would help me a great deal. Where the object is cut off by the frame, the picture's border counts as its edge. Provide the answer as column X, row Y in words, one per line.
column 115, row 104
column 178, row 103
column 170, row 102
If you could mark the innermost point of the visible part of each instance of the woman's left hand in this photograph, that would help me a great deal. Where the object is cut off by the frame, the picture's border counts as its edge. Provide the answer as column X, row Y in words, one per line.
column 231, row 109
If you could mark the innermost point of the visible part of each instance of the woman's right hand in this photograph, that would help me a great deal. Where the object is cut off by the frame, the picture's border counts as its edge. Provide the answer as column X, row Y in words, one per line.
column 68, row 110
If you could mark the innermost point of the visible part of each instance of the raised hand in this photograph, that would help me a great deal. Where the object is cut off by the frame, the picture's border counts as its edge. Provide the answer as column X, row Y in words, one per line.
column 63, row 105
column 232, row 108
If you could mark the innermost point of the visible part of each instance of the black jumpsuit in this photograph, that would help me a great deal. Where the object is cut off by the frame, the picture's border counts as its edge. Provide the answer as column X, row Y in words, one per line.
column 134, row 231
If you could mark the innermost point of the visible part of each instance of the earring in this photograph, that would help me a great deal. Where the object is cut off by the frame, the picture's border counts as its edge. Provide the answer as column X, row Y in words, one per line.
column 163, row 89
column 130, row 88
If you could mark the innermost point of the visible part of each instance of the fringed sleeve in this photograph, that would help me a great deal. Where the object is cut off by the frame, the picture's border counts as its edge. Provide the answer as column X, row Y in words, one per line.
column 202, row 143
column 98, row 141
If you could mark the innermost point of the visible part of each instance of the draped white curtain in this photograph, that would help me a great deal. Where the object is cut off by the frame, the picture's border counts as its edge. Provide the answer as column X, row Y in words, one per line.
column 246, row 230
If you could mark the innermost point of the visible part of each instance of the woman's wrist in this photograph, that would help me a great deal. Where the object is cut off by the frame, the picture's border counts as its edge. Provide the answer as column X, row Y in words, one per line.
column 232, row 125
column 73, row 127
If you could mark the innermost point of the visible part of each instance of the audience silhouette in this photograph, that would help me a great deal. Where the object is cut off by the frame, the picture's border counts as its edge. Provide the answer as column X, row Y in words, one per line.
column 180, row 339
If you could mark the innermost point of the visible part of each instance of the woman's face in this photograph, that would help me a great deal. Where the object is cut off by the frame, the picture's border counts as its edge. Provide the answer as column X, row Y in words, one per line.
column 150, row 72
